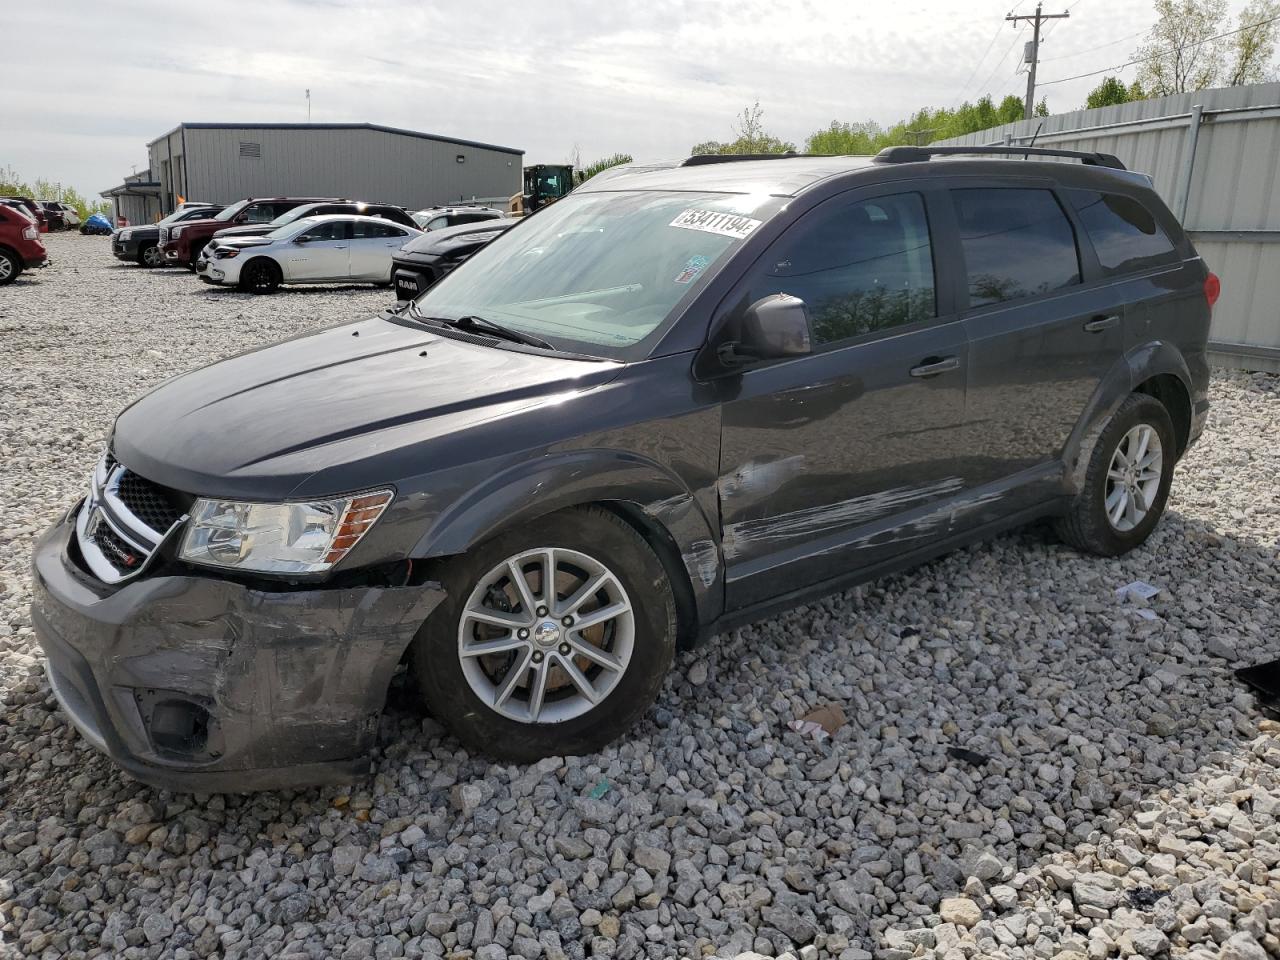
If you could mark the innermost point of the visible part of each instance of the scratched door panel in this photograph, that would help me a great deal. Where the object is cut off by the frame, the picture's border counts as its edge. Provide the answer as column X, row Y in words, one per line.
column 840, row 460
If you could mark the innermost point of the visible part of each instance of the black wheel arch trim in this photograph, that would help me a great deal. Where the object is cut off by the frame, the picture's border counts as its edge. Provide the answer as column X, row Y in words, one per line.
column 659, row 505
column 1140, row 364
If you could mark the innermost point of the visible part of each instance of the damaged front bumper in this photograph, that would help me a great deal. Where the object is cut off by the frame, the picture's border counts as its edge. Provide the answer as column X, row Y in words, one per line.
column 194, row 683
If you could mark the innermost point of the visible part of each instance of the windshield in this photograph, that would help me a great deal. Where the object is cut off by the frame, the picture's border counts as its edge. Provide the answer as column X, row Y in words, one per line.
column 232, row 210
column 294, row 214
column 600, row 273
column 187, row 214
column 289, row 229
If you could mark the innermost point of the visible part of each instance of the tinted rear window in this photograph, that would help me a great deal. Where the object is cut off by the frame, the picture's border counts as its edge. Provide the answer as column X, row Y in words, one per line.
column 1124, row 233
column 1017, row 243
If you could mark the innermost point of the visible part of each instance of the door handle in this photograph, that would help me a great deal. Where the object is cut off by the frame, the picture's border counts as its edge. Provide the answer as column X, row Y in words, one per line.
column 339, row 246
column 932, row 366
column 1098, row 324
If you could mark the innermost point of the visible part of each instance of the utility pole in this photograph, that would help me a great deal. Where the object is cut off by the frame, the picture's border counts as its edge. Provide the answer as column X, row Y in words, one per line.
column 1032, row 54
column 308, row 104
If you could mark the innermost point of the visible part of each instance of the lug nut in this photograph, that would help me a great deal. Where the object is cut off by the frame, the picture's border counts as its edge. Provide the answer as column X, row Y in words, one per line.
column 522, row 634
column 542, row 611
column 567, row 621
column 564, row 649
column 537, row 656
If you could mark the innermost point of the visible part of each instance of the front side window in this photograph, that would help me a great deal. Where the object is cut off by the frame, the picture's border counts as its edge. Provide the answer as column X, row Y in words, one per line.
column 858, row 267
column 1124, row 233
column 1017, row 243
column 601, row 273
column 260, row 213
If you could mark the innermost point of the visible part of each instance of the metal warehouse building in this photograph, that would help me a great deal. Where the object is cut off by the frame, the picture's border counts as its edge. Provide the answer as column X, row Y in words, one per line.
column 225, row 162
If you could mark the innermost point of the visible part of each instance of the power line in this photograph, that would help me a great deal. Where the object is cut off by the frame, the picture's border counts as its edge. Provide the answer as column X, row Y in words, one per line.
column 974, row 72
column 1000, row 63
column 1163, row 53
column 1101, row 46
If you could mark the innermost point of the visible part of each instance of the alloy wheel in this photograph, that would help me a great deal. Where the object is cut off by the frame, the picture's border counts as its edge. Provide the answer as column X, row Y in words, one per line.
column 6, row 268
column 546, row 635
column 152, row 257
column 1133, row 477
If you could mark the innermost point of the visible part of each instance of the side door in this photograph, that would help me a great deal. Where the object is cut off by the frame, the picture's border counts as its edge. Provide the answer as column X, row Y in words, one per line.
column 373, row 243
column 847, row 457
column 1041, row 337
column 322, row 252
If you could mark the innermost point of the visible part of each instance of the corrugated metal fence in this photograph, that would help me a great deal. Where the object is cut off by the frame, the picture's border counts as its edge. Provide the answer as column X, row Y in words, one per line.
column 1213, row 155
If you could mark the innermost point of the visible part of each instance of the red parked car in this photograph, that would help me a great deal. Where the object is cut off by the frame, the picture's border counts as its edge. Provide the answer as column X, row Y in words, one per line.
column 35, row 210
column 20, row 245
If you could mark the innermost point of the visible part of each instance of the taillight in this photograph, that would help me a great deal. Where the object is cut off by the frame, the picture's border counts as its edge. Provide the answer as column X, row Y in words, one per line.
column 1212, row 288
column 30, row 233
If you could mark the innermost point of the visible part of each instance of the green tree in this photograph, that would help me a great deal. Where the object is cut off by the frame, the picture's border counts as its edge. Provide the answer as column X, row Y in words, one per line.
column 40, row 189
column 590, row 170
column 1179, row 54
column 1252, row 49
column 751, row 138
column 1108, row 93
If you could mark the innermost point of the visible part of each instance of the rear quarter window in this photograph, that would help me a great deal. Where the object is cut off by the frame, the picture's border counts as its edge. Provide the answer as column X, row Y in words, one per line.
column 1017, row 243
column 1125, row 234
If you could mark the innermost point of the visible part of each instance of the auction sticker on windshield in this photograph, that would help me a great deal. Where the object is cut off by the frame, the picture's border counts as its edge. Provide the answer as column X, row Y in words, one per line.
column 713, row 221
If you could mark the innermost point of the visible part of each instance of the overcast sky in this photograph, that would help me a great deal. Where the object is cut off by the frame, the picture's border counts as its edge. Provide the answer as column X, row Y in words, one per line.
column 94, row 81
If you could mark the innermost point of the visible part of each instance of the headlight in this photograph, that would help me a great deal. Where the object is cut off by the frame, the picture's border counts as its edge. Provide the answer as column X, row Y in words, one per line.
column 296, row 538
column 226, row 253
column 126, row 234
column 174, row 232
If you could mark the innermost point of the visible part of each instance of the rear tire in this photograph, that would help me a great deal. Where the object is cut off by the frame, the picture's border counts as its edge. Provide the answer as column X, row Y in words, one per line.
column 1127, row 480
column 10, row 267
column 260, row 276
column 558, row 701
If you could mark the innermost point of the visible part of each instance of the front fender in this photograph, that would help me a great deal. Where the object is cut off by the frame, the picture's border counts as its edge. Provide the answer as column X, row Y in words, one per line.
column 532, row 489
column 1139, row 363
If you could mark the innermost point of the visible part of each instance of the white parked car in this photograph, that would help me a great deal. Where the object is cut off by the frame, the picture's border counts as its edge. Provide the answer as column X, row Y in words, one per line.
column 330, row 249
column 433, row 218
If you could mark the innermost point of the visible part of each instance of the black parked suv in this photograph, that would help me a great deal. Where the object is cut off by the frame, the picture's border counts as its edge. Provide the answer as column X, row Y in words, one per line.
column 425, row 259
column 141, row 245
column 673, row 401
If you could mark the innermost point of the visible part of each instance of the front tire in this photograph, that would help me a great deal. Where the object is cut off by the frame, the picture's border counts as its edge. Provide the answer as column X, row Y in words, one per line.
column 1127, row 480
column 150, row 256
column 260, row 276
column 519, row 672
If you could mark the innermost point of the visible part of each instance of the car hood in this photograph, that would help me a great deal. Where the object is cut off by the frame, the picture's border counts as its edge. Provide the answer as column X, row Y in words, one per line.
column 224, row 241
column 258, row 425
column 253, row 230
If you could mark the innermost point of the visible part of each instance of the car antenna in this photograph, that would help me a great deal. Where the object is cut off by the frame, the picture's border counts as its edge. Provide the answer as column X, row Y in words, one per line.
column 1039, row 127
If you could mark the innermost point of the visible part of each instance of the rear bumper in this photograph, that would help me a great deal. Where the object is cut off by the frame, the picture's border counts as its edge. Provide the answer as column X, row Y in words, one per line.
column 267, row 689
column 35, row 258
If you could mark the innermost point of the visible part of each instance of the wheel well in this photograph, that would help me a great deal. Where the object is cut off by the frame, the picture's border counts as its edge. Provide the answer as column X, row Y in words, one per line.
column 664, row 545
column 261, row 259
column 5, row 248
column 1171, row 392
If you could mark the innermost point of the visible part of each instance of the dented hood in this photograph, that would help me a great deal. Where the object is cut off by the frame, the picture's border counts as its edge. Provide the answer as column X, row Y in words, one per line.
column 257, row 425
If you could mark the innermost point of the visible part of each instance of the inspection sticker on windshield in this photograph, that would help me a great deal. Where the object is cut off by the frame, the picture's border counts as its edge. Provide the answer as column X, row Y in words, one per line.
column 713, row 221
column 692, row 267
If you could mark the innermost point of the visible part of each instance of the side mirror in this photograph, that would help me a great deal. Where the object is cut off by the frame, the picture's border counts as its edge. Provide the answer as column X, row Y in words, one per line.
column 773, row 327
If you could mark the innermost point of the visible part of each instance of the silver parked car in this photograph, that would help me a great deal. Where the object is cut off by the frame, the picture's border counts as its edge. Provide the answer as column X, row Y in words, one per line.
column 329, row 249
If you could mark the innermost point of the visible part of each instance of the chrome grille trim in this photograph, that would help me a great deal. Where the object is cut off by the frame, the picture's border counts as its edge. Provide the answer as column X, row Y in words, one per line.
column 103, row 505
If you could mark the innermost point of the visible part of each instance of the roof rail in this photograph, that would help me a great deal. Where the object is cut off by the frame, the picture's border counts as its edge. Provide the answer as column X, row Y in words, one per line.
column 705, row 158
column 916, row 154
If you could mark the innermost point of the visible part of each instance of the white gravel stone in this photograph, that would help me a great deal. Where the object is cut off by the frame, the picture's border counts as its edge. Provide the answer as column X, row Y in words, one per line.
column 1113, row 761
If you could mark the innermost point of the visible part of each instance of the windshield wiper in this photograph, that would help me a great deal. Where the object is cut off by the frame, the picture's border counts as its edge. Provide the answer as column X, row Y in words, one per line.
column 481, row 325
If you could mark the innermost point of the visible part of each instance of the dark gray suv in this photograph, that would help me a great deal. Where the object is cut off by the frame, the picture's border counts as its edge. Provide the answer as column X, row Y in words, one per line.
column 678, row 399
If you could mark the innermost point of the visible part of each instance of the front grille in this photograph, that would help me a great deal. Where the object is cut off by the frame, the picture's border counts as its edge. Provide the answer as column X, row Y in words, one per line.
column 148, row 502
column 123, row 521
column 119, row 554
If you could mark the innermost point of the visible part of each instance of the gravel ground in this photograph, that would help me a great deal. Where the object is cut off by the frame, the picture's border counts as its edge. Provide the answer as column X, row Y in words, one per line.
column 1120, row 794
